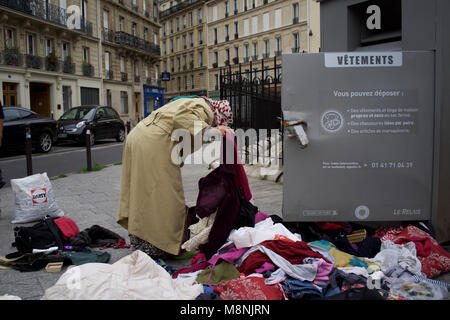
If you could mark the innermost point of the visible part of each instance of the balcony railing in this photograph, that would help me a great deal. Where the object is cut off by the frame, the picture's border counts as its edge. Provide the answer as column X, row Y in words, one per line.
column 246, row 59
column 12, row 58
column 109, row 75
column 124, row 76
column 88, row 70
column 68, row 67
column 129, row 40
column 52, row 64
column 255, row 57
column 177, row 7
column 277, row 53
column 32, row 61
column 46, row 11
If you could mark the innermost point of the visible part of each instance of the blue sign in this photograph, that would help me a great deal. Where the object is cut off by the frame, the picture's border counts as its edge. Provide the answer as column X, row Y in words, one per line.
column 165, row 76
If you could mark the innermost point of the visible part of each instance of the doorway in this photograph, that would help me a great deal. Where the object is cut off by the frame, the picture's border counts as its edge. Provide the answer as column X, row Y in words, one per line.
column 40, row 98
column 9, row 94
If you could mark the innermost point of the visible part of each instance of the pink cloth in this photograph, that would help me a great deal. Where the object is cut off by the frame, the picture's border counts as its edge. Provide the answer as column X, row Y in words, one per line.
column 266, row 266
column 230, row 256
column 323, row 270
column 260, row 216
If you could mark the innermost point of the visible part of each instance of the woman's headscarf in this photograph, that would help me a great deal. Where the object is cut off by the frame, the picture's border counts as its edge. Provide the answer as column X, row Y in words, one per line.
column 222, row 111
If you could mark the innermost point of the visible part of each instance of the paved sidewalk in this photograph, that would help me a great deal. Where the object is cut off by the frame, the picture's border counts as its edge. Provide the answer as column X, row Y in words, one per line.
column 92, row 198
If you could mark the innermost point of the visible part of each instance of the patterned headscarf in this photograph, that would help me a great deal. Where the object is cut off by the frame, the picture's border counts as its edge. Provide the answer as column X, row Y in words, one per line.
column 222, row 111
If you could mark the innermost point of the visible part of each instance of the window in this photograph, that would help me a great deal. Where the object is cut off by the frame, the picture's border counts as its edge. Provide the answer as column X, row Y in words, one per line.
column 266, row 48
column 200, row 15
column 214, row 13
column 245, row 5
column 155, row 11
column 164, row 28
column 64, row 51
column 9, row 38
column 30, row 45
column 191, row 18
column 178, row 64
column 215, row 35
column 122, row 65
column 247, row 51
column 295, row 42
column 236, row 29
column 133, row 29
column 246, row 27
column 236, row 52
column 184, row 42
column 144, row 6
column 124, row 102
column 226, row 9
column 191, row 39
column 121, row 25
column 107, row 63
column 254, row 24
column 200, row 36
column 278, row 18
column 184, row 21
column 295, row 13
column 254, row 3
column 171, row 45
column 266, row 21
column 216, row 57
column 171, row 26
column 227, row 55
column 236, row 9
column 145, row 34
column 105, row 19
column 279, row 48
column 185, row 83
column 216, row 78
column 48, row 46
column 255, row 50
column 177, row 23
column 86, row 54
column 192, row 81
column 179, row 83
column 200, row 58
column 227, row 32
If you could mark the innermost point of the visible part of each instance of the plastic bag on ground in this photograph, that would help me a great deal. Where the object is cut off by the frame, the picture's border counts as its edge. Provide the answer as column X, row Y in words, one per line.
column 34, row 199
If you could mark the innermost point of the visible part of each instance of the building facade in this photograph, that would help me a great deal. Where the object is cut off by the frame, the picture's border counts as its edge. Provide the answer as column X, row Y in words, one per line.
column 184, row 48
column 51, row 61
column 232, row 33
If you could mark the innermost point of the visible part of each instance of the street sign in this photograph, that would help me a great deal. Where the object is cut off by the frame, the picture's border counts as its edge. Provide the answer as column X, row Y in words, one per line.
column 165, row 76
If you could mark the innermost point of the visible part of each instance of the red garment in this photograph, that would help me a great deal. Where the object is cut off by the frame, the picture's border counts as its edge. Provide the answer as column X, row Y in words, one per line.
column 330, row 225
column 437, row 262
column 294, row 252
column 241, row 176
column 199, row 266
column 68, row 227
column 423, row 244
column 251, row 288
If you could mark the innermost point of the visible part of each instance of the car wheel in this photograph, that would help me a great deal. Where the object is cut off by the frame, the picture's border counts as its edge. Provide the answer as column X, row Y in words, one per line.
column 121, row 135
column 45, row 142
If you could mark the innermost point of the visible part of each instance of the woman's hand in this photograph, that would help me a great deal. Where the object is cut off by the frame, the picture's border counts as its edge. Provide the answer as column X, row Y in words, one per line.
column 223, row 130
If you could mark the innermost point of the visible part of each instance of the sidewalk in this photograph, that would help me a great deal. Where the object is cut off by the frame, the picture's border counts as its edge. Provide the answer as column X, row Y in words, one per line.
column 92, row 198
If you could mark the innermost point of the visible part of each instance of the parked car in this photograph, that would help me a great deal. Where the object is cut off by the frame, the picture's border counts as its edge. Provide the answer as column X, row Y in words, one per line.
column 43, row 130
column 104, row 123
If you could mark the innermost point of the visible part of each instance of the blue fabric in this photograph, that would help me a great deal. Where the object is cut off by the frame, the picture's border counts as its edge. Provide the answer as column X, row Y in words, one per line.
column 208, row 289
column 296, row 289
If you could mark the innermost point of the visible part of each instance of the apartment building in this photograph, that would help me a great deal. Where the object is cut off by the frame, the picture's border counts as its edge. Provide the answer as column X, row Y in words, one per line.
column 45, row 65
column 232, row 33
column 183, row 47
column 255, row 31
column 50, row 62
column 131, row 55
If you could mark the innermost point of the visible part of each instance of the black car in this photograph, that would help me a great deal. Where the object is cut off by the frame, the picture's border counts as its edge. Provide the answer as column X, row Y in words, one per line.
column 104, row 123
column 43, row 130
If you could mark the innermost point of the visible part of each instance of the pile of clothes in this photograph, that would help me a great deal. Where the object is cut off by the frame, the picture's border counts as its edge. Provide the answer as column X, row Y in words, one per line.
column 240, row 253
column 58, row 242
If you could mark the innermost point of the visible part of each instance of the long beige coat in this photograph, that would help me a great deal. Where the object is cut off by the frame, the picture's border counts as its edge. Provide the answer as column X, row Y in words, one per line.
column 152, row 203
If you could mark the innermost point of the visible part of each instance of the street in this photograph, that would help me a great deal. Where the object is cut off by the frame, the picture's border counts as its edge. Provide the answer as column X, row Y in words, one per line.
column 63, row 159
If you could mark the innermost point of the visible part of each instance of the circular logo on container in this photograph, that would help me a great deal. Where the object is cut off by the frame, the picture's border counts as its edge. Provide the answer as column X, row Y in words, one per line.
column 39, row 195
column 332, row 121
column 362, row 212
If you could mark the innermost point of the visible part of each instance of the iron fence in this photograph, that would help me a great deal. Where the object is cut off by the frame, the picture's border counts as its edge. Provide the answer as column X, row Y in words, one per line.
column 254, row 92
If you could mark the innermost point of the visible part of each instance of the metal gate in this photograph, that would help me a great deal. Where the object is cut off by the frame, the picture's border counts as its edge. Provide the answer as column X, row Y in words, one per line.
column 254, row 92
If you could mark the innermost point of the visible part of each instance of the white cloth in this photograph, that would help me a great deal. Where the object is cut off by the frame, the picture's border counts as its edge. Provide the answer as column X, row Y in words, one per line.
column 263, row 230
column 134, row 277
column 360, row 271
column 46, row 251
column 302, row 272
column 392, row 255
column 199, row 233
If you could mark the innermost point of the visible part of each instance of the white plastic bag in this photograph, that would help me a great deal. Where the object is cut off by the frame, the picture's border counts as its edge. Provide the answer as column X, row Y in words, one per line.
column 264, row 230
column 34, row 199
